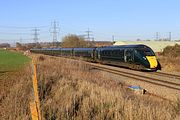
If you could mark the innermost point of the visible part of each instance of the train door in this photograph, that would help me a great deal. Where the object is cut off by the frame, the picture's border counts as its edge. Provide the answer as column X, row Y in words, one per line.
column 129, row 55
column 93, row 54
column 99, row 54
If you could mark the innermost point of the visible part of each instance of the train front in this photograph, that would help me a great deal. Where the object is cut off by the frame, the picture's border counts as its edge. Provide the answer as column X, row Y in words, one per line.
column 148, row 59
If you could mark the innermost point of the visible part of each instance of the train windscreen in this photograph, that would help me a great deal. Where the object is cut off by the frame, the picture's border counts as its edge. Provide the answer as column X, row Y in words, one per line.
column 146, row 52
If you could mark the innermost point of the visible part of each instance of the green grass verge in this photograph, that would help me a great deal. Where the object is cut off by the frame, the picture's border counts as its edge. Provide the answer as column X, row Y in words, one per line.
column 10, row 60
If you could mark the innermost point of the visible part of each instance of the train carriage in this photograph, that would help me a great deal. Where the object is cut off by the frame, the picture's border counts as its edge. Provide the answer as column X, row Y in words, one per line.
column 56, row 51
column 139, row 57
column 67, row 52
column 87, row 53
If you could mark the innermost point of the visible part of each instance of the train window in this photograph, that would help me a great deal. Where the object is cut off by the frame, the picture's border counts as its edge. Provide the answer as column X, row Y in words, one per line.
column 110, row 52
column 103, row 52
column 149, row 53
column 116, row 52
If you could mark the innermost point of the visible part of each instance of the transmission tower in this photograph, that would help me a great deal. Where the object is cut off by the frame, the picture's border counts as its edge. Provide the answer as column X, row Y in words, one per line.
column 89, row 35
column 113, row 38
column 36, row 35
column 55, row 31
column 20, row 40
column 169, row 36
column 157, row 36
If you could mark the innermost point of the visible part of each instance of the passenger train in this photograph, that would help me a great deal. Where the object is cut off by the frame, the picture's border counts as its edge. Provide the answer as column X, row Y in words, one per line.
column 139, row 57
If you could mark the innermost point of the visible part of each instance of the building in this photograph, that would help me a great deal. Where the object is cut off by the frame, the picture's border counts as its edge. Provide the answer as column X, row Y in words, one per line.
column 4, row 45
column 102, row 43
column 157, row 46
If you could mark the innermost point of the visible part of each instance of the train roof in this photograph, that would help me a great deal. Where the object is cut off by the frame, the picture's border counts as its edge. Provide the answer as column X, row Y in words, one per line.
column 84, row 48
column 140, row 46
column 125, row 46
column 66, row 48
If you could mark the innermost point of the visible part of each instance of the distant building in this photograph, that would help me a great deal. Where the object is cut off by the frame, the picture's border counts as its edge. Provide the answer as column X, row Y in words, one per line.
column 4, row 45
column 157, row 46
column 102, row 43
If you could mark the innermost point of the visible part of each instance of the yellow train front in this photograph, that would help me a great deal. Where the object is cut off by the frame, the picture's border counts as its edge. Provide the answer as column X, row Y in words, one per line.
column 145, row 55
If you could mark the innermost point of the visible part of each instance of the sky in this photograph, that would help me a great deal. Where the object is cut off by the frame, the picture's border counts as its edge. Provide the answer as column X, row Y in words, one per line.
column 123, row 19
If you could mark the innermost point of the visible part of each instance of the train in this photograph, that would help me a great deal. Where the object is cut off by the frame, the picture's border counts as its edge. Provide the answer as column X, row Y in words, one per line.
column 139, row 57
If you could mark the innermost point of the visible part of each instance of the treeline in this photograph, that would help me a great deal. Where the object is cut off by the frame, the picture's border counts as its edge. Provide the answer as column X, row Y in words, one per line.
column 68, row 41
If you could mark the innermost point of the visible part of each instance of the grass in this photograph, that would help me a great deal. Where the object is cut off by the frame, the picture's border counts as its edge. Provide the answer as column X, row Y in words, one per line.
column 15, row 94
column 10, row 60
column 169, row 64
column 69, row 90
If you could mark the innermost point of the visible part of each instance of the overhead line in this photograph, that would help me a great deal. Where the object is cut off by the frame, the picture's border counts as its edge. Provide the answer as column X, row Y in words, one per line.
column 14, row 33
column 18, row 27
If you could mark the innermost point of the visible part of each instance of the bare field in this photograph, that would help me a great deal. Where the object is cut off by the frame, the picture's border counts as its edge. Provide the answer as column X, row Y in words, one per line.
column 70, row 90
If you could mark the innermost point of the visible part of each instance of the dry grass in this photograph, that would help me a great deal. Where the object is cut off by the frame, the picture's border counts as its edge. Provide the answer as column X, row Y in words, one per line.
column 71, row 90
column 170, row 58
column 15, row 91
column 172, row 51
column 170, row 64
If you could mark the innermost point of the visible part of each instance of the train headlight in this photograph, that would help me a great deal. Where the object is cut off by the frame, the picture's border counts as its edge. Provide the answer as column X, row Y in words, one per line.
column 144, row 58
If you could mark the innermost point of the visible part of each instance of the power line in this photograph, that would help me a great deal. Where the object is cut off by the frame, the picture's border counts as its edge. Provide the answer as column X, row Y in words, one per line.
column 18, row 27
column 9, row 33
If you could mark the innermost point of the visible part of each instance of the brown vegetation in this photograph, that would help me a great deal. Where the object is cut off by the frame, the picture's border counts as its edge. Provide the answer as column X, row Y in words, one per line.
column 170, row 58
column 172, row 51
column 71, row 90
column 170, row 64
column 15, row 91
column 72, row 41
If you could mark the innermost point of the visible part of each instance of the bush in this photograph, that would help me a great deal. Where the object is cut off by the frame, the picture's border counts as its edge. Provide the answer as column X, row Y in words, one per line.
column 71, row 41
column 173, row 51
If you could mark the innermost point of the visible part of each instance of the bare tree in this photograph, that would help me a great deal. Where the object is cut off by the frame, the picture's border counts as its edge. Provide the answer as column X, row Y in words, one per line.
column 71, row 41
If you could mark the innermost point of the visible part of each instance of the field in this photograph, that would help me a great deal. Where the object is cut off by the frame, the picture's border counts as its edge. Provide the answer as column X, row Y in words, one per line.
column 14, row 78
column 69, row 90
column 10, row 60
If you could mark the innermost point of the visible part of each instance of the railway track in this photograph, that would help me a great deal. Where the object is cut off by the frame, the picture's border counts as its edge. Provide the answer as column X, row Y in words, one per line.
column 155, row 81
column 167, row 75
column 171, row 88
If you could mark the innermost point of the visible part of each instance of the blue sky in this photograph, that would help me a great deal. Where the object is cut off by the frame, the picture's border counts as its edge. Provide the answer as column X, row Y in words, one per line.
column 125, row 19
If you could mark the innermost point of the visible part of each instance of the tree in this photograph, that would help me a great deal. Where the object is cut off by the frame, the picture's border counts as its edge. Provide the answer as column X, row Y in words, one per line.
column 71, row 41
column 19, row 46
